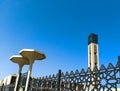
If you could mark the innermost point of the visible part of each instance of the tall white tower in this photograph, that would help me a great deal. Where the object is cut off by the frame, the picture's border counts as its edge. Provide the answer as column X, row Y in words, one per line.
column 93, row 54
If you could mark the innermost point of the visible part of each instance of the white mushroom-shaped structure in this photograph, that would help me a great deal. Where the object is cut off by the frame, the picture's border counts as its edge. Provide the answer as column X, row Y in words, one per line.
column 31, row 55
column 21, row 61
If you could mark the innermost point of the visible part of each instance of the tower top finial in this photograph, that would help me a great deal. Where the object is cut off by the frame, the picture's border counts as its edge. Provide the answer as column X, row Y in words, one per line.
column 93, row 38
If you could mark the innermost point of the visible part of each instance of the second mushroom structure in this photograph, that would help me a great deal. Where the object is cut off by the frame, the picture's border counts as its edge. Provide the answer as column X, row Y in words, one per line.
column 26, row 57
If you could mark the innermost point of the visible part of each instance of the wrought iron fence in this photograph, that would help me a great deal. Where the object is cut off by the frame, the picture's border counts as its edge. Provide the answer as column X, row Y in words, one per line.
column 102, row 79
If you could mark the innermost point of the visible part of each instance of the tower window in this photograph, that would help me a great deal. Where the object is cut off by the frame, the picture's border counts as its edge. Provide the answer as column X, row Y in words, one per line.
column 95, row 64
column 90, row 63
column 95, row 58
column 95, row 48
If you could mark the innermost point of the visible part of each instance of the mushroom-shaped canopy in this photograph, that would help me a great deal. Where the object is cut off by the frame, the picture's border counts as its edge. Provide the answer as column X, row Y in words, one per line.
column 19, row 60
column 32, row 54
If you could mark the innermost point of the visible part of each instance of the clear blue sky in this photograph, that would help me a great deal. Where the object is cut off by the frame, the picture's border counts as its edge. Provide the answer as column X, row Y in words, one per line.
column 60, row 29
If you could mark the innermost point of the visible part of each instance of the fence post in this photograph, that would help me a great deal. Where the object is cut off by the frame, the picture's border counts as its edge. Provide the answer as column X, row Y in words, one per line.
column 118, row 64
column 59, row 78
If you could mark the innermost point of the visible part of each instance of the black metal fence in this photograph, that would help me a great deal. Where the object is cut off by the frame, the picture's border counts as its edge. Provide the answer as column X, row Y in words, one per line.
column 102, row 79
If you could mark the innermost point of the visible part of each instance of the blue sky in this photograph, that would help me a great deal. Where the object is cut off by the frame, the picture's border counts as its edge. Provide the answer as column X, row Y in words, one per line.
column 60, row 29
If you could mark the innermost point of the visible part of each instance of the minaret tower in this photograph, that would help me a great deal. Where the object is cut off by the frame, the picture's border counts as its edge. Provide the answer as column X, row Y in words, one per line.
column 93, row 54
